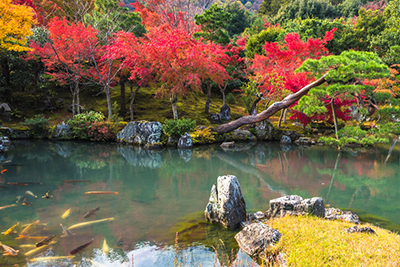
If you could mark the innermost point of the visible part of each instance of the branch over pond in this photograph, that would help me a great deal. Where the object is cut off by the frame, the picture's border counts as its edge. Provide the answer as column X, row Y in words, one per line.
column 285, row 103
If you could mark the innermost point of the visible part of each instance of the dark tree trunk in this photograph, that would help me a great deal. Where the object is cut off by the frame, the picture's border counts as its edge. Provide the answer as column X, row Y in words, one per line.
column 6, row 70
column 122, row 101
column 285, row 103
column 133, row 94
column 334, row 118
column 207, row 108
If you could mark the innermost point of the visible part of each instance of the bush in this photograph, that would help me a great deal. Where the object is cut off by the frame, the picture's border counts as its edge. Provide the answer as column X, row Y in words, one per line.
column 39, row 125
column 104, row 130
column 177, row 128
column 81, row 123
column 230, row 99
column 202, row 136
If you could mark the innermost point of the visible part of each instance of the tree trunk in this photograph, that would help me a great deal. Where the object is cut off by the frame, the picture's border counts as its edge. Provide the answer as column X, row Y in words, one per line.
column 78, row 109
column 109, row 105
column 284, row 116
column 286, row 102
column 5, row 67
column 174, row 99
column 223, row 96
column 122, row 101
column 132, row 98
column 73, row 99
column 334, row 117
column 280, row 118
column 207, row 108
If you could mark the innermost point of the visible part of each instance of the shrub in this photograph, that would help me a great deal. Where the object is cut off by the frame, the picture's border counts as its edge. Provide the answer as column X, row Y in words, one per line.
column 202, row 136
column 81, row 123
column 39, row 125
column 177, row 128
column 230, row 99
column 104, row 130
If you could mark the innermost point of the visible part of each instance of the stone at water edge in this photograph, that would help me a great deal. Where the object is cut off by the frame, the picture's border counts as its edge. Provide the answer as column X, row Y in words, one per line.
column 355, row 229
column 286, row 139
column 294, row 204
column 226, row 204
column 185, row 141
column 256, row 238
column 338, row 214
column 141, row 133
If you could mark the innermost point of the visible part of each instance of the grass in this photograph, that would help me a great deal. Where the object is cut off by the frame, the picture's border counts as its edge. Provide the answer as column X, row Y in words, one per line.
column 312, row 241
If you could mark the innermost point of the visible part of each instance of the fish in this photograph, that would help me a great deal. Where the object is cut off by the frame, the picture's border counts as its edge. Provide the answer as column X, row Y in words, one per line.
column 91, row 212
column 31, row 237
column 101, row 193
column 3, row 171
column 25, row 230
column 18, row 199
column 2, row 186
column 9, row 231
column 77, row 181
column 66, row 232
column 9, row 250
column 79, row 225
column 106, row 249
column 31, row 194
column 17, row 183
column 47, row 196
column 27, row 246
column 78, row 249
column 66, row 214
column 8, row 206
column 120, row 242
column 45, row 241
column 26, row 203
column 53, row 258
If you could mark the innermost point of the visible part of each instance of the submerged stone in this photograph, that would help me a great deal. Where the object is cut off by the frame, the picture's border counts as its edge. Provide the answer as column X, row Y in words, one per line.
column 226, row 204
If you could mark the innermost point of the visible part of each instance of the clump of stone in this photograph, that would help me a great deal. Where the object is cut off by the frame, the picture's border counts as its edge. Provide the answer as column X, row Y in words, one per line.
column 296, row 205
column 337, row 214
column 141, row 133
column 355, row 229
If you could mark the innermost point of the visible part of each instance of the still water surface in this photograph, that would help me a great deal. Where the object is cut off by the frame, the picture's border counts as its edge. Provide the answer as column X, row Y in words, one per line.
column 164, row 192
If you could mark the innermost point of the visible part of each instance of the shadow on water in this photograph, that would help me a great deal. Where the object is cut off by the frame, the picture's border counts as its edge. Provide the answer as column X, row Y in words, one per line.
column 161, row 192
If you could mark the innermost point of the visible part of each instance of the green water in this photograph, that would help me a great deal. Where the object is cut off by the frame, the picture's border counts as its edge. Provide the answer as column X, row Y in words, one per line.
column 164, row 192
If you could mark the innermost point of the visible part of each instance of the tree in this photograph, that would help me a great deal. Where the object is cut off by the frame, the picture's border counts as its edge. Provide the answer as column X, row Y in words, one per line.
column 241, row 19
column 15, row 26
column 66, row 53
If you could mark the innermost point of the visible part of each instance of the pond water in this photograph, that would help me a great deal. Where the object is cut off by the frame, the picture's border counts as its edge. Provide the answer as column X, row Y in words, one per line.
column 164, row 192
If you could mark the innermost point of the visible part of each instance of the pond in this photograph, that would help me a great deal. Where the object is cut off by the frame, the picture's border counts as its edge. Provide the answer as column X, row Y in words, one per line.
column 164, row 192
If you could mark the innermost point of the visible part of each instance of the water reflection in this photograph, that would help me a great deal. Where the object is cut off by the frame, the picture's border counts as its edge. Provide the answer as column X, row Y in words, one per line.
column 162, row 192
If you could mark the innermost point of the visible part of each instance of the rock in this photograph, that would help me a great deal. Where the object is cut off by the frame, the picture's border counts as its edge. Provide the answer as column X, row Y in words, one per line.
column 225, row 113
column 337, row 214
column 141, row 133
column 185, row 141
column 264, row 130
column 259, row 215
column 286, row 139
column 228, row 144
column 243, row 135
column 62, row 131
column 5, row 141
column 226, row 204
column 5, row 112
column 215, row 118
column 15, row 134
column 355, row 229
column 172, row 141
column 296, row 205
column 256, row 239
column 4, row 107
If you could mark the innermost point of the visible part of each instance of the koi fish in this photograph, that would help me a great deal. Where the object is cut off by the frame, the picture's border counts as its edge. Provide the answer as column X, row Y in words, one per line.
column 91, row 212
column 77, row 181
column 3, row 171
column 31, row 237
column 9, row 250
column 66, row 232
column 17, row 183
column 51, row 258
column 18, row 199
column 2, row 186
column 9, row 231
column 79, row 225
column 26, row 203
column 45, row 241
column 8, row 206
column 28, row 227
column 27, row 246
column 47, row 196
column 101, row 192
column 78, row 249
column 106, row 249
column 66, row 214
column 31, row 194
column 39, row 249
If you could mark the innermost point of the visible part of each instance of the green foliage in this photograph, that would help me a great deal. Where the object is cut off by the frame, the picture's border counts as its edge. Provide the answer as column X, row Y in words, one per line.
column 354, row 135
column 81, row 123
column 39, row 125
column 271, row 7
column 250, row 89
column 214, row 22
column 241, row 19
column 230, row 99
column 255, row 43
column 177, row 128
column 202, row 136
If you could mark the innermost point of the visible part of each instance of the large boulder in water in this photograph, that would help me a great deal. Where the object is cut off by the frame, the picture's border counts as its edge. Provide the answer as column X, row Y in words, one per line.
column 141, row 133
column 226, row 204
column 257, row 238
column 185, row 141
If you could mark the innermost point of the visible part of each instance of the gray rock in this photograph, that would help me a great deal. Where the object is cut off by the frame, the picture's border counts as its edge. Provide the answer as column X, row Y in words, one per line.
column 243, row 135
column 265, row 130
column 215, row 118
column 225, row 113
column 226, row 204
column 286, row 139
column 228, row 145
column 140, row 133
column 172, row 141
column 5, row 141
column 185, row 141
column 296, row 205
column 337, row 214
column 62, row 131
column 256, row 239
column 5, row 112
column 355, row 229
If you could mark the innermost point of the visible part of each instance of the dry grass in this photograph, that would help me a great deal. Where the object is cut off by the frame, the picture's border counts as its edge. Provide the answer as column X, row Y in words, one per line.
column 311, row 241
